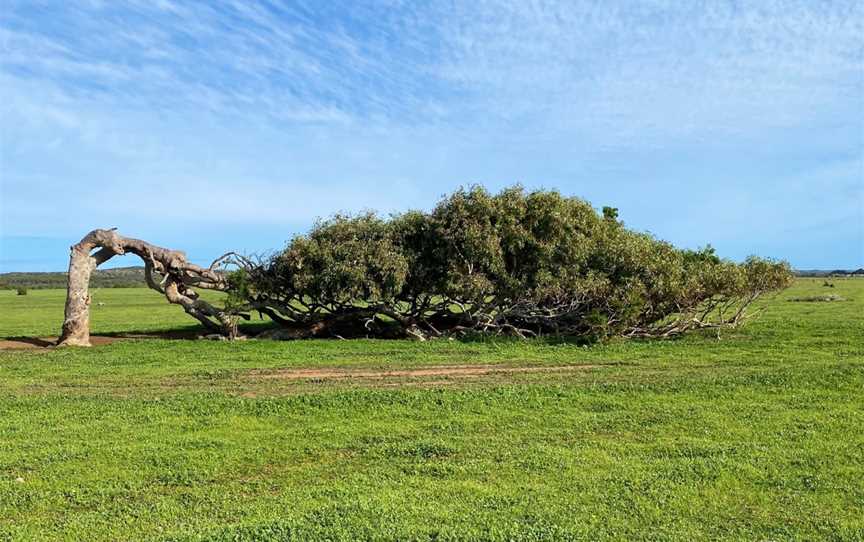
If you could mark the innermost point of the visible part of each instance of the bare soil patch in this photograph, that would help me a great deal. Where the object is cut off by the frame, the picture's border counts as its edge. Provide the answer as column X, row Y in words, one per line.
column 464, row 371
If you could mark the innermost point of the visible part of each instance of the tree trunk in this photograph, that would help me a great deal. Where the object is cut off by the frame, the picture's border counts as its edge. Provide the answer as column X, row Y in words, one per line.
column 76, row 324
column 178, row 279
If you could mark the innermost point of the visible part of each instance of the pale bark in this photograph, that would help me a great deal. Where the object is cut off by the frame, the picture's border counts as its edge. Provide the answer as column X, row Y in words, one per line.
column 178, row 278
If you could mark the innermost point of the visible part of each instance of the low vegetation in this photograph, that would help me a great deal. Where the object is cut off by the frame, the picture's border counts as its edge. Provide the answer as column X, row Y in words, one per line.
column 818, row 298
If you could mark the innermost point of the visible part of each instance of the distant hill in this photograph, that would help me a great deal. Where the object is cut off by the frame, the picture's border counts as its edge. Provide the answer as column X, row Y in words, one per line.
column 834, row 273
column 120, row 277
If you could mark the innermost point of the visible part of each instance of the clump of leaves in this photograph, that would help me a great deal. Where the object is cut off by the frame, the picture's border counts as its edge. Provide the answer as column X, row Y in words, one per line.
column 240, row 288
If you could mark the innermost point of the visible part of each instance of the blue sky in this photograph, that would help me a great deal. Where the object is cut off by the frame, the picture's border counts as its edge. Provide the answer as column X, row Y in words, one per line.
column 215, row 126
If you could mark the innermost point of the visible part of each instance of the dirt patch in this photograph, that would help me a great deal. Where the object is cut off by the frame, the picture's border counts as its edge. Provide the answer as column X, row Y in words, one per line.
column 464, row 371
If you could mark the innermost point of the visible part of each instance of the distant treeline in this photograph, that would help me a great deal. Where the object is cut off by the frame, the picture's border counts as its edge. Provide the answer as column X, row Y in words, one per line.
column 834, row 273
column 121, row 277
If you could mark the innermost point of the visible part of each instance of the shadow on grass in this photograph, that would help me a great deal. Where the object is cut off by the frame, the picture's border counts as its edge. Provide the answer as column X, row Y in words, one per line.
column 252, row 330
column 32, row 341
column 189, row 332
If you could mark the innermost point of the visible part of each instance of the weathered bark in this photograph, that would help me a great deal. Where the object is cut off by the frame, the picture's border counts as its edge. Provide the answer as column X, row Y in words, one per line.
column 178, row 277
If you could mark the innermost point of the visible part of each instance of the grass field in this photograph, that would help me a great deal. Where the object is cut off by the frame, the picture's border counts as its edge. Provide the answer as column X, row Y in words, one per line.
column 757, row 436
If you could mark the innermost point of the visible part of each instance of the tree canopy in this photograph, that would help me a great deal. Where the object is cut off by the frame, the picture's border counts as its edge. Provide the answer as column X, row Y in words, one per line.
column 517, row 262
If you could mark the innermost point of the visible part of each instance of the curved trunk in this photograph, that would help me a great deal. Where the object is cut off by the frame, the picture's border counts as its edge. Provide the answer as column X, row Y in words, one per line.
column 178, row 279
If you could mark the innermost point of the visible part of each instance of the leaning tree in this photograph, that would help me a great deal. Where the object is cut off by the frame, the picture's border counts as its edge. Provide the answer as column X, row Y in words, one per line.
column 517, row 263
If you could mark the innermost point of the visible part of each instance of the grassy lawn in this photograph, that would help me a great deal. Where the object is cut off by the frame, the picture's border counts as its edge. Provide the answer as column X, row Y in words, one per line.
column 756, row 436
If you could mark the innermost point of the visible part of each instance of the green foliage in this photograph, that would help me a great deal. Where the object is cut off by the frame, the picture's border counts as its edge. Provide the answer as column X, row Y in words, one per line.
column 21, row 290
column 513, row 262
column 343, row 260
column 240, row 288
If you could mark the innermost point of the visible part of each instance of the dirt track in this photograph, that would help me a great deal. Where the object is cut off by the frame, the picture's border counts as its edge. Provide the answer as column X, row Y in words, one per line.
column 440, row 370
column 422, row 373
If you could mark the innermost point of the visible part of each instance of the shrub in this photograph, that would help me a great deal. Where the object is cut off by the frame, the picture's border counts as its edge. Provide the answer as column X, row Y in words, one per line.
column 516, row 262
column 818, row 299
column 22, row 291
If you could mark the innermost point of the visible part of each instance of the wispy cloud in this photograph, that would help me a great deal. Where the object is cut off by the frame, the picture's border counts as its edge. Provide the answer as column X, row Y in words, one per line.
column 273, row 113
column 659, row 68
column 604, row 66
column 234, row 57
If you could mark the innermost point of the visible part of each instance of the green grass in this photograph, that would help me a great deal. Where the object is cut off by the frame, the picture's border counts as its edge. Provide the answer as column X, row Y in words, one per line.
column 757, row 436
column 123, row 310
